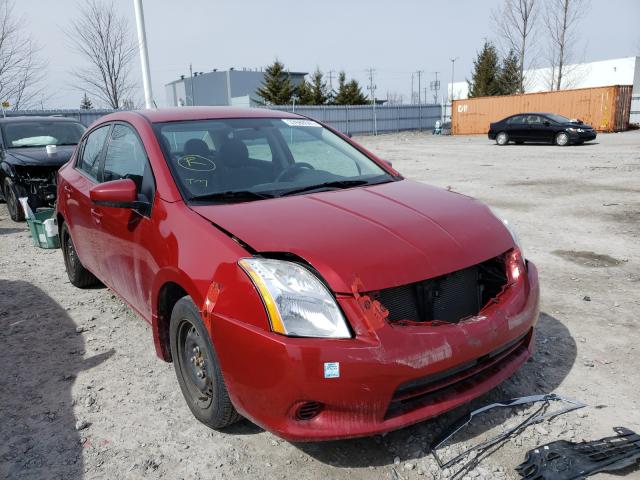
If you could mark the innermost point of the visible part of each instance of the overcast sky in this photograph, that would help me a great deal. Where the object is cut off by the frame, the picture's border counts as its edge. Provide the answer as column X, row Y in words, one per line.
column 394, row 37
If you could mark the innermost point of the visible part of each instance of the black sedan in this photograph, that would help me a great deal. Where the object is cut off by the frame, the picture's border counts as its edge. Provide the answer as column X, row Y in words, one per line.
column 540, row 127
column 32, row 149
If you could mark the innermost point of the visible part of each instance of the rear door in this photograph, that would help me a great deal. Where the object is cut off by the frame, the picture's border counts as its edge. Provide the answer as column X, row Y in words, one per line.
column 516, row 128
column 126, row 233
column 81, row 214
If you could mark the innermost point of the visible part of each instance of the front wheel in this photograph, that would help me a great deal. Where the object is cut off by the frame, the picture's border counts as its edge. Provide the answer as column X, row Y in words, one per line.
column 78, row 275
column 562, row 139
column 11, row 196
column 197, row 368
column 502, row 138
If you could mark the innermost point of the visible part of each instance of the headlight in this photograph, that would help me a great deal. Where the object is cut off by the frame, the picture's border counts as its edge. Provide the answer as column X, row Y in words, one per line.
column 514, row 236
column 297, row 302
column 571, row 129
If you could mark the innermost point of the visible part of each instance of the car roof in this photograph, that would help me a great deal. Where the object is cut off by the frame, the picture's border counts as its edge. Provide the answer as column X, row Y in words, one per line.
column 530, row 113
column 31, row 118
column 161, row 115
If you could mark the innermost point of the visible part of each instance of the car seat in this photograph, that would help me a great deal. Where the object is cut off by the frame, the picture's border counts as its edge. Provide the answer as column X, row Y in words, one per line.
column 239, row 173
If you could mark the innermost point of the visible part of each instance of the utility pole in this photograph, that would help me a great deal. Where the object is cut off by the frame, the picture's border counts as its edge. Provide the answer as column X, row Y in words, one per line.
column 419, row 73
column 435, row 87
column 191, row 83
column 144, row 55
column 330, row 75
column 453, row 64
column 411, row 98
column 372, row 88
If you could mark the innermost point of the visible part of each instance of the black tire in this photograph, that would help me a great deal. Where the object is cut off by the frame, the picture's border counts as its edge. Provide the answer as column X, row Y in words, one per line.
column 78, row 275
column 502, row 138
column 198, row 369
column 11, row 195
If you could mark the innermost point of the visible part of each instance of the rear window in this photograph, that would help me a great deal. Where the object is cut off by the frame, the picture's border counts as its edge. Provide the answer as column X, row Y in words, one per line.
column 41, row 133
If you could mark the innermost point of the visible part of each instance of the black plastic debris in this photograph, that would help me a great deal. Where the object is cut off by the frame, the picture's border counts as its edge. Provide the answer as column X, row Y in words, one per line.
column 563, row 460
column 473, row 455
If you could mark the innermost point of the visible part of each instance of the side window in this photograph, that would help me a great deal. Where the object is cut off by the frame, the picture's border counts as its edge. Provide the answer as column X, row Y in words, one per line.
column 534, row 120
column 320, row 154
column 516, row 119
column 125, row 157
column 257, row 144
column 90, row 155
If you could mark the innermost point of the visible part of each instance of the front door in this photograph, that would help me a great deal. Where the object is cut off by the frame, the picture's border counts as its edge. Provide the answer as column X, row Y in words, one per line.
column 126, row 233
column 84, row 225
column 537, row 130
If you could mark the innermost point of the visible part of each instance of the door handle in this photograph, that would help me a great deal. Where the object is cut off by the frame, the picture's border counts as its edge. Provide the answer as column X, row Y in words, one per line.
column 96, row 214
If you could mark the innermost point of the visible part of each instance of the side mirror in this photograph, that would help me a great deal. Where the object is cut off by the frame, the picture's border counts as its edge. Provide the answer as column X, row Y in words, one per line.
column 117, row 193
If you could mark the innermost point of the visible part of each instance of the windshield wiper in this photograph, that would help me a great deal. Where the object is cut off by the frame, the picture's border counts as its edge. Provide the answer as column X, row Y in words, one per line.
column 330, row 185
column 232, row 195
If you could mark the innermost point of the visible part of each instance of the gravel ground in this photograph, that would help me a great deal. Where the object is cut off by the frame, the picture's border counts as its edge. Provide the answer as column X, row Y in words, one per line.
column 82, row 394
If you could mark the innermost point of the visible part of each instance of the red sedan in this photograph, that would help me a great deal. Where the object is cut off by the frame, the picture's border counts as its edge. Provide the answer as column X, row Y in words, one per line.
column 291, row 276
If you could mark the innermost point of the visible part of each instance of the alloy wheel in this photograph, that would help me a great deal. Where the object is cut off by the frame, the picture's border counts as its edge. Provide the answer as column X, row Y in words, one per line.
column 562, row 139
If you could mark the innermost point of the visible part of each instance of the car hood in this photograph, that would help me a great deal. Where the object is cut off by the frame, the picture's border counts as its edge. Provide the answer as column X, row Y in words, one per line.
column 374, row 237
column 38, row 156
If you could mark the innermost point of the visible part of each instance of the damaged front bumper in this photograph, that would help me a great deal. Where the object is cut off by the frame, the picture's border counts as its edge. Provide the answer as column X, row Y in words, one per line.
column 37, row 183
column 386, row 378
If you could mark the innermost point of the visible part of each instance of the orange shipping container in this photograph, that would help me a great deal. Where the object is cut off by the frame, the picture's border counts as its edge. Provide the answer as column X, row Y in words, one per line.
column 607, row 109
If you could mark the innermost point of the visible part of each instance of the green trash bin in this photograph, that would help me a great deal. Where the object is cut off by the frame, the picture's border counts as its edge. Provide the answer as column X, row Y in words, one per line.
column 44, row 229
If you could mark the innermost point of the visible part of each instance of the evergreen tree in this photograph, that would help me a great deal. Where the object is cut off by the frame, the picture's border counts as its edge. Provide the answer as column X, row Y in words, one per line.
column 319, row 92
column 486, row 71
column 304, row 93
column 509, row 78
column 356, row 97
column 341, row 93
column 349, row 93
column 276, row 87
column 86, row 103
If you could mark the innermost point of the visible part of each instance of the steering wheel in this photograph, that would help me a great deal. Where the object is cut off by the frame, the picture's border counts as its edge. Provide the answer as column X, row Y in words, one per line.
column 291, row 171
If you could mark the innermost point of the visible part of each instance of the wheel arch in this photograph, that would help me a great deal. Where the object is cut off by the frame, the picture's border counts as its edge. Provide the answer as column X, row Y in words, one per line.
column 170, row 288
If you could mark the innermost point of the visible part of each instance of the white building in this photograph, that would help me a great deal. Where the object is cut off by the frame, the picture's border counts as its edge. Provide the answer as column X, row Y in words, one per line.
column 619, row 71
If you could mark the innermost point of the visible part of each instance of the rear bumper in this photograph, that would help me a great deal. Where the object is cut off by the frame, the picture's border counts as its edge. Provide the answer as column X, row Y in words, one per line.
column 395, row 377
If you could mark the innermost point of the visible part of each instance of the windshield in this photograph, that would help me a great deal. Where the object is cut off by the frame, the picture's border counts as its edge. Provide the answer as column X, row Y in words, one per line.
column 39, row 133
column 252, row 159
column 558, row 118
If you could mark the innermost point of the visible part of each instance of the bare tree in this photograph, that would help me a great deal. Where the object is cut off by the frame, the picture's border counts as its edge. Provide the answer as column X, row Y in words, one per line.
column 515, row 22
column 21, row 69
column 561, row 20
column 104, row 39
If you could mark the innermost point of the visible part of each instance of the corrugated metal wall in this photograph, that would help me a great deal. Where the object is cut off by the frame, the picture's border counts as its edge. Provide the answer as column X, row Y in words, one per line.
column 634, row 117
column 359, row 119
column 86, row 117
column 349, row 119
column 605, row 108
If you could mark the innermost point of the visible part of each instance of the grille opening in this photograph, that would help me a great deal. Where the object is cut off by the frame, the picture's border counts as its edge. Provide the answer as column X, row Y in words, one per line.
column 449, row 298
column 309, row 410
